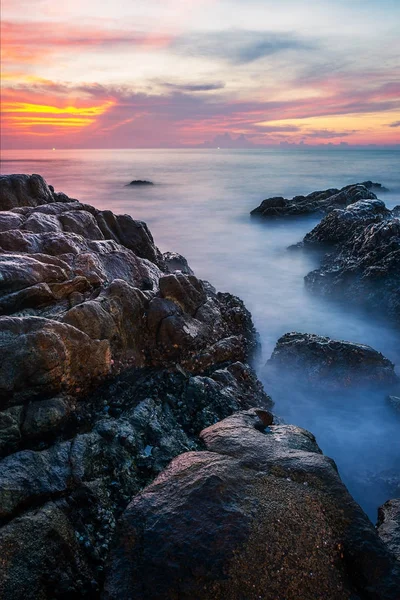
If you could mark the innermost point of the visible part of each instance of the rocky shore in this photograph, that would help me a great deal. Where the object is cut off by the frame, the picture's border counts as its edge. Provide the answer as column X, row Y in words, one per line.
column 320, row 202
column 319, row 362
column 116, row 359
column 363, row 262
column 361, row 241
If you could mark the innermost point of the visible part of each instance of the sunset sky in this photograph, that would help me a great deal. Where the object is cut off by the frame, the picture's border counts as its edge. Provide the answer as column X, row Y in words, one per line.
column 171, row 73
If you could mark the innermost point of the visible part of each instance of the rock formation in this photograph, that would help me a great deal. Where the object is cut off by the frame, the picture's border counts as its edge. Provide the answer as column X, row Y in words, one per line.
column 363, row 264
column 111, row 363
column 319, row 361
column 262, row 513
column 113, row 359
column 320, row 202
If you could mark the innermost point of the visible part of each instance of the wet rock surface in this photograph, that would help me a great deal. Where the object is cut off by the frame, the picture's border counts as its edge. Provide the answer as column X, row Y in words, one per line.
column 320, row 202
column 262, row 513
column 319, row 361
column 362, row 266
column 113, row 358
column 389, row 525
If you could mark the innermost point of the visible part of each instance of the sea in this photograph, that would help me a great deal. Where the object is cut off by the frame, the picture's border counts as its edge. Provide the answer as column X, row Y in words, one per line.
column 199, row 206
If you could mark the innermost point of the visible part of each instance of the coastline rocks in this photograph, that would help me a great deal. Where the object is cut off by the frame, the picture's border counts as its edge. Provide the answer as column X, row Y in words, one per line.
column 27, row 190
column 364, row 265
column 389, row 525
column 123, row 435
column 320, row 202
column 340, row 225
column 113, row 358
column 261, row 513
column 320, row 361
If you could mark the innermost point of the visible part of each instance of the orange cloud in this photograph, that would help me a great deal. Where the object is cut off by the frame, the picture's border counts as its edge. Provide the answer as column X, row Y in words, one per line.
column 45, row 119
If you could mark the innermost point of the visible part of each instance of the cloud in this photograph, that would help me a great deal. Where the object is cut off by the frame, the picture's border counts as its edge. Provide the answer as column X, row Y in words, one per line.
column 119, row 116
column 27, row 42
column 194, row 87
column 395, row 124
column 239, row 46
column 327, row 134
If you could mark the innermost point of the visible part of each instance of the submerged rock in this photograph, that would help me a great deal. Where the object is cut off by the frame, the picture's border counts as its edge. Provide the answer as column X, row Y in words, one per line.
column 330, row 364
column 141, row 182
column 261, row 513
column 321, row 202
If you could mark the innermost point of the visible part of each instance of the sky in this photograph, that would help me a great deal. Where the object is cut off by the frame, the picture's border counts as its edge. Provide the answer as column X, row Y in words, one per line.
column 175, row 73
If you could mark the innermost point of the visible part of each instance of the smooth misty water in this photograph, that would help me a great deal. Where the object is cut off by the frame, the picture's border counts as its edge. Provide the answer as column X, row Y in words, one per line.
column 200, row 207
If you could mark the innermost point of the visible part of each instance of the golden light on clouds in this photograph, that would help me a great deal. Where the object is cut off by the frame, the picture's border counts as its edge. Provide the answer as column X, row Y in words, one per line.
column 31, row 117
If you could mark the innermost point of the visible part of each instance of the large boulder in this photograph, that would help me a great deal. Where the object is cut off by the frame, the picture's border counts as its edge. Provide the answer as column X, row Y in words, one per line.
column 260, row 514
column 320, row 202
column 331, row 364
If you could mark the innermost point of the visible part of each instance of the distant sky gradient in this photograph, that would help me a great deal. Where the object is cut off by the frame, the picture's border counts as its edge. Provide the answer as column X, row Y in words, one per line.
column 171, row 73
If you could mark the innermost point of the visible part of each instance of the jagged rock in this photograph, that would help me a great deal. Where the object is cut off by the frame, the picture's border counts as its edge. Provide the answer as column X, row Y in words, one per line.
column 331, row 364
column 138, row 421
column 364, row 266
column 340, row 224
column 25, row 190
column 260, row 514
column 111, row 363
column 371, row 185
column 174, row 262
column 321, row 202
column 389, row 525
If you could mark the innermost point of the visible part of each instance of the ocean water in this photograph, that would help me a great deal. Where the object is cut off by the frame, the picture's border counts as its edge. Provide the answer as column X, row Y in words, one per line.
column 199, row 207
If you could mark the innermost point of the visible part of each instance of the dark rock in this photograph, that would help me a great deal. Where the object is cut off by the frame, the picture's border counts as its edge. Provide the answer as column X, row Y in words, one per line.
column 24, row 190
column 111, row 363
column 321, row 202
column 176, row 262
column 141, row 182
column 42, row 558
column 339, row 225
column 43, row 357
column 93, row 476
column 330, row 364
column 260, row 514
column 389, row 525
column 374, row 185
column 363, row 267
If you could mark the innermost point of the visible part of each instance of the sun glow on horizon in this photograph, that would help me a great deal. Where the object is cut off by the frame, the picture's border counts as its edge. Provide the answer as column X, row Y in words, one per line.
column 161, row 75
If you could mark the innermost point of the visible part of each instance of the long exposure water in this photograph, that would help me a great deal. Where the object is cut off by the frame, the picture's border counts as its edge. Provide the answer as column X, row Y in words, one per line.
column 199, row 207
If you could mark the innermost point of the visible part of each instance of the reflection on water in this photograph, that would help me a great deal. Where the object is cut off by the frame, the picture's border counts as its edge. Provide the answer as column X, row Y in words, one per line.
column 200, row 207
